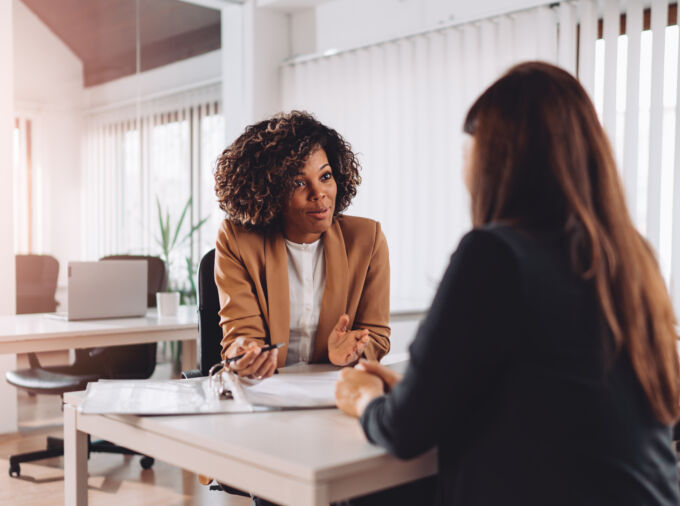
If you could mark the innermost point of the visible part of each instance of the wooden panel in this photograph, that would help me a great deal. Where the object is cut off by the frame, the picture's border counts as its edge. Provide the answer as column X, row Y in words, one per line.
column 103, row 33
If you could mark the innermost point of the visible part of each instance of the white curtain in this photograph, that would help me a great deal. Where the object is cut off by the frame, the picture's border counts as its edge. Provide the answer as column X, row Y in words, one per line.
column 401, row 105
column 160, row 149
column 635, row 89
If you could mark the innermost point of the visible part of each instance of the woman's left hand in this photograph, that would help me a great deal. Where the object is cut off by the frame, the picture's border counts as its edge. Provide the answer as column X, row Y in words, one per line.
column 355, row 390
column 345, row 346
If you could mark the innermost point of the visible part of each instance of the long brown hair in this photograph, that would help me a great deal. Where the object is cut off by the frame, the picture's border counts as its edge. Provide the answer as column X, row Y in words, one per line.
column 541, row 159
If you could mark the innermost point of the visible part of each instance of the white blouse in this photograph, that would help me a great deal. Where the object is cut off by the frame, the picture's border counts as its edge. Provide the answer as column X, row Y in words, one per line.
column 306, row 282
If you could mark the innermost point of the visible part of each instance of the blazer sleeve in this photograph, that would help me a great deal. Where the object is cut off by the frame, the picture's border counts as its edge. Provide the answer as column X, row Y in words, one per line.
column 373, row 310
column 240, row 313
column 459, row 353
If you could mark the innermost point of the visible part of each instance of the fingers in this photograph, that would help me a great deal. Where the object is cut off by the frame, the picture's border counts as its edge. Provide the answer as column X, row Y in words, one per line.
column 355, row 389
column 341, row 326
column 389, row 377
column 239, row 346
column 251, row 354
column 269, row 367
column 256, row 367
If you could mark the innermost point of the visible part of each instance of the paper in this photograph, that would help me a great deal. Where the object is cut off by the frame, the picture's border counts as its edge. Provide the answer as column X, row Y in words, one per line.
column 289, row 389
column 154, row 397
column 296, row 387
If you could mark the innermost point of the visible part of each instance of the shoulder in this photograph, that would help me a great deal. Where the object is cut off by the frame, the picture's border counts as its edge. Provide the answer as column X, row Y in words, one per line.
column 237, row 237
column 495, row 246
column 354, row 228
column 498, row 239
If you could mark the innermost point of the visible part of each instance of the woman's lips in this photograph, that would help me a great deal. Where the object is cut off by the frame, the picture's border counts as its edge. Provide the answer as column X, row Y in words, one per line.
column 319, row 214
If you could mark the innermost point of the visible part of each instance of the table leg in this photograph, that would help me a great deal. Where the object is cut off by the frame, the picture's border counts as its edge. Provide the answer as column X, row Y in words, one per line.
column 8, row 396
column 75, row 460
column 189, row 355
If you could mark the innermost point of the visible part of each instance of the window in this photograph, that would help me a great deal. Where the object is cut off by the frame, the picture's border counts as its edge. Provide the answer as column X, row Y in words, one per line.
column 159, row 154
column 664, row 144
column 23, row 185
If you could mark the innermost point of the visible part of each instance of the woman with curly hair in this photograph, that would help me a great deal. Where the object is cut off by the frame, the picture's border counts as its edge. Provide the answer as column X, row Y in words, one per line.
column 289, row 267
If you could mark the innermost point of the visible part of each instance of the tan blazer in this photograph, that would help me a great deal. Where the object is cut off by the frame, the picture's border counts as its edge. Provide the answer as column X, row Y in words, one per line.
column 251, row 272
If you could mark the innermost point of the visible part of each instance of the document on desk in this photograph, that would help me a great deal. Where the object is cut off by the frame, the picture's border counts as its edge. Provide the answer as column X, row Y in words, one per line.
column 288, row 390
column 157, row 397
column 297, row 387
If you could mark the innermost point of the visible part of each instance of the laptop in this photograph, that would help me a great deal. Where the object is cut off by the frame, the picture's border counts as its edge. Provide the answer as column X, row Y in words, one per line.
column 106, row 289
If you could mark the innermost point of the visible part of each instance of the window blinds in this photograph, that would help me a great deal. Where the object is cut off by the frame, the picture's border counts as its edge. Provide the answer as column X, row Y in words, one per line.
column 639, row 108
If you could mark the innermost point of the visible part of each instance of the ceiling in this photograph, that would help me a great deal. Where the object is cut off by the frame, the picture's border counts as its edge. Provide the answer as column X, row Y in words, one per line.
column 103, row 33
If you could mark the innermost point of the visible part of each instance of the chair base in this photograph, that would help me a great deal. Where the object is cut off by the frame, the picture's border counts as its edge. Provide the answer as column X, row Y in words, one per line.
column 55, row 448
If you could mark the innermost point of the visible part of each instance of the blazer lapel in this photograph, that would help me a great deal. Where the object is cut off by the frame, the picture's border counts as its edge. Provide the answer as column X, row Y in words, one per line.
column 334, row 297
column 276, row 270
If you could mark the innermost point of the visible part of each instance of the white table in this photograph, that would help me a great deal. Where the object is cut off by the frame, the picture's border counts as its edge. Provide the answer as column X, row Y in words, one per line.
column 305, row 458
column 38, row 332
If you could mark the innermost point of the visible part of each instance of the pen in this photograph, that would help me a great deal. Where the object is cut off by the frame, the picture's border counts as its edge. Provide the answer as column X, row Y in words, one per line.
column 266, row 348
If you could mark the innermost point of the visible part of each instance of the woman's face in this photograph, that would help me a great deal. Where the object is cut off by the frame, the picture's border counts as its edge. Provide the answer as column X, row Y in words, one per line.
column 309, row 212
column 468, row 154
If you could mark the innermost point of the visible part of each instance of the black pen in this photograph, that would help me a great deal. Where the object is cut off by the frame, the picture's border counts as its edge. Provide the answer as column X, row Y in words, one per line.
column 266, row 348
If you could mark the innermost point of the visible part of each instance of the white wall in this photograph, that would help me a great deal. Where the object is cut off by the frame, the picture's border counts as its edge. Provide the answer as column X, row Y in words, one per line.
column 343, row 24
column 48, row 87
column 8, row 414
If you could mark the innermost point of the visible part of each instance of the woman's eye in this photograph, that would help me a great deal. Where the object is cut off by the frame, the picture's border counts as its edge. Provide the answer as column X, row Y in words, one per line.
column 326, row 176
column 299, row 183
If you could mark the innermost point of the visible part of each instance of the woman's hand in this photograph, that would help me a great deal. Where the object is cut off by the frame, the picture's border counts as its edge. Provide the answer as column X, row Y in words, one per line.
column 255, row 363
column 387, row 375
column 355, row 390
column 345, row 346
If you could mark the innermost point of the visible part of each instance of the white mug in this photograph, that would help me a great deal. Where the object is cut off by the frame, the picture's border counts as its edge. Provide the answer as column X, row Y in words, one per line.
column 167, row 303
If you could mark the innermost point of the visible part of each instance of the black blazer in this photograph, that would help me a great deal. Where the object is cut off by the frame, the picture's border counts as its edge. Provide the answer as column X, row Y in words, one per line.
column 508, row 377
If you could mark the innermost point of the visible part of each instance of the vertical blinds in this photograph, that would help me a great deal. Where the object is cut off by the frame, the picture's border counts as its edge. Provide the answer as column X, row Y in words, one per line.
column 160, row 149
column 401, row 105
column 639, row 106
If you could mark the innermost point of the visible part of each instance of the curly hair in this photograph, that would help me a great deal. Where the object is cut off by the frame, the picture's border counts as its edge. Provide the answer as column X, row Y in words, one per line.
column 254, row 176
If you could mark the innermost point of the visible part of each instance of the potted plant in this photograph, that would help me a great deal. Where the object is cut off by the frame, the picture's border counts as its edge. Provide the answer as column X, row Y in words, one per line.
column 183, row 290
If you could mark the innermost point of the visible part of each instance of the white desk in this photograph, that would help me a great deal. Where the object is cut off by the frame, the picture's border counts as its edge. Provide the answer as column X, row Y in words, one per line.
column 305, row 458
column 37, row 332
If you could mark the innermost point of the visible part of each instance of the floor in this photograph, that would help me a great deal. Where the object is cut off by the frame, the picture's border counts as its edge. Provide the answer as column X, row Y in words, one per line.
column 114, row 479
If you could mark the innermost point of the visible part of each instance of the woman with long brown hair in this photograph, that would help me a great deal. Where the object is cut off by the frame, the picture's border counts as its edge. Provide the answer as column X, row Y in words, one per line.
column 546, row 370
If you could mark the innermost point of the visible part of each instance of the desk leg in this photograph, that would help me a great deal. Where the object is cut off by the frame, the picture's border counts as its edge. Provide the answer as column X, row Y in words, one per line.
column 75, row 460
column 189, row 356
column 8, row 396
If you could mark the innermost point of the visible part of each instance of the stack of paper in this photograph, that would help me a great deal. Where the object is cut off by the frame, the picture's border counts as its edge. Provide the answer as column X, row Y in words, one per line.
column 293, row 388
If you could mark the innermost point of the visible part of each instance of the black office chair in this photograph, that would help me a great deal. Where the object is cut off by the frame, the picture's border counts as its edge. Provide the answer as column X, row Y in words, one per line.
column 209, row 333
column 209, row 330
column 115, row 362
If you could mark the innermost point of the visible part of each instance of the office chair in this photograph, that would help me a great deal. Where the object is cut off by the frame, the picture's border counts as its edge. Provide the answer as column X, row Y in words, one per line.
column 209, row 330
column 209, row 333
column 115, row 362
column 36, row 277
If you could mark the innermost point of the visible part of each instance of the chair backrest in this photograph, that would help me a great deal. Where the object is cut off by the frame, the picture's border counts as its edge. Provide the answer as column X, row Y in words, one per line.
column 157, row 274
column 133, row 361
column 36, row 286
column 209, row 330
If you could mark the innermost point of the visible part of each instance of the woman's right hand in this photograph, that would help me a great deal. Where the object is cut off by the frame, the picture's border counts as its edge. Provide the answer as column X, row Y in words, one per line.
column 255, row 363
column 387, row 375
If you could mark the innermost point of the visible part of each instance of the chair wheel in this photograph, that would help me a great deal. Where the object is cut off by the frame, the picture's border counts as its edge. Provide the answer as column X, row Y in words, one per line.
column 14, row 470
column 147, row 462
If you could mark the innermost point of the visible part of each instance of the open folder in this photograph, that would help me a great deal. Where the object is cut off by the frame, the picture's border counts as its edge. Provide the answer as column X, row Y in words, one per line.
column 295, row 387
